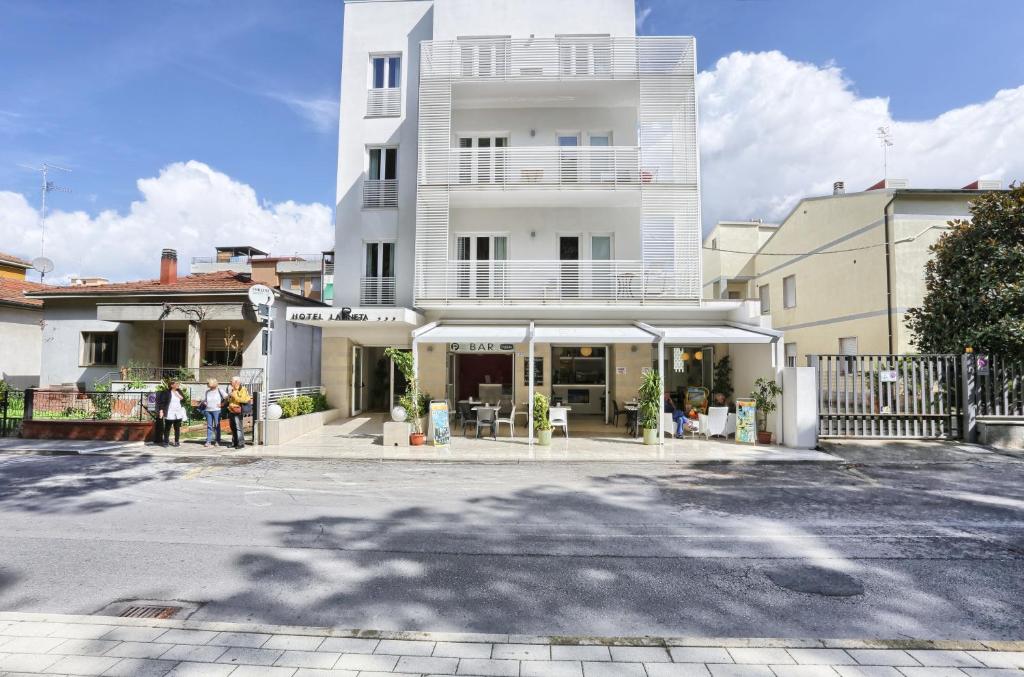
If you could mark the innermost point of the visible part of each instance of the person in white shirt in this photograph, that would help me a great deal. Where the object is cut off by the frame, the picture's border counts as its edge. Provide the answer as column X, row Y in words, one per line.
column 212, row 404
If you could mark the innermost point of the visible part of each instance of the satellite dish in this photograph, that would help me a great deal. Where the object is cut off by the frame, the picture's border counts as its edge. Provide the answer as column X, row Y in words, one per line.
column 42, row 264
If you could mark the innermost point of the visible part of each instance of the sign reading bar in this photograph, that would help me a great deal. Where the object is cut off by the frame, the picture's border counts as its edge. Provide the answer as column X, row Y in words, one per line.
column 481, row 347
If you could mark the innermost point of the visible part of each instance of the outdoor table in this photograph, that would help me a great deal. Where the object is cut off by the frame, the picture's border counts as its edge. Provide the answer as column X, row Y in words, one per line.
column 631, row 419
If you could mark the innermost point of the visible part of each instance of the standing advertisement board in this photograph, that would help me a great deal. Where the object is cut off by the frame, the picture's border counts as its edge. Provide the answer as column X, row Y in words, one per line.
column 439, row 419
column 746, row 421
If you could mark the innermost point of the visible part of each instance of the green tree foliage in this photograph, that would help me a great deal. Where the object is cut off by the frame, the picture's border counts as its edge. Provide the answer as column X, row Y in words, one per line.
column 723, row 376
column 975, row 282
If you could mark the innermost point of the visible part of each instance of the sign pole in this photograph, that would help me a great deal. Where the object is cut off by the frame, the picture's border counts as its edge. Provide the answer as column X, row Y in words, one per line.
column 262, row 298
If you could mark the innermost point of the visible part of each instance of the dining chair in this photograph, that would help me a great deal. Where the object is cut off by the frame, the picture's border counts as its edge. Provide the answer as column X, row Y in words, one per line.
column 616, row 412
column 485, row 418
column 559, row 417
column 714, row 422
column 467, row 416
column 509, row 419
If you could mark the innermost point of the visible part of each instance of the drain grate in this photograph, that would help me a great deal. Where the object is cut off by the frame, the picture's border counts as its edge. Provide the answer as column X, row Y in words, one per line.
column 146, row 611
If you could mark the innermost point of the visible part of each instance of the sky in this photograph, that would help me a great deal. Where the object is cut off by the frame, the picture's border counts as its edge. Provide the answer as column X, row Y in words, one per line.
column 190, row 123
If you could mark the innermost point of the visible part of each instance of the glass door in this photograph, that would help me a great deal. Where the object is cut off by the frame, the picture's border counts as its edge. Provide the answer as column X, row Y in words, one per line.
column 357, row 380
column 569, row 270
column 488, row 164
column 378, row 286
column 481, row 269
column 569, row 158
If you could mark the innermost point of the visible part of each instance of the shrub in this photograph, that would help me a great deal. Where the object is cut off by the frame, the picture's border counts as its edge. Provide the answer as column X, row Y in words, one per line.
column 289, row 406
column 305, row 404
column 320, row 402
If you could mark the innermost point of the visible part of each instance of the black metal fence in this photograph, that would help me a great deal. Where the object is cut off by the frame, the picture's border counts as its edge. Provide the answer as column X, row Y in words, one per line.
column 12, row 410
column 995, row 384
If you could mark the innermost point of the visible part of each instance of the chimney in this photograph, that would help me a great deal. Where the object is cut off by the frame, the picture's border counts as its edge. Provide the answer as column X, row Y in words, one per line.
column 168, row 266
column 838, row 188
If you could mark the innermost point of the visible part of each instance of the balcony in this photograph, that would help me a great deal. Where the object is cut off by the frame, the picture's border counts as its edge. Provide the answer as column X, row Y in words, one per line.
column 557, row 283
column 378, row 193
column 547, row 167
column 377, row 291
column 383, row 102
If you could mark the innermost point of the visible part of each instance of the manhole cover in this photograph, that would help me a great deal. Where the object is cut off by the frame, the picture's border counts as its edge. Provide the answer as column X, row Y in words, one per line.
column 816, row 581
column 146, row 611
column 150, row 608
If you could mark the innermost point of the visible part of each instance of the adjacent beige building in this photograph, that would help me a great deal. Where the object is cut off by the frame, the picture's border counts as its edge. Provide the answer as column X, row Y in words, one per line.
column 840, row 272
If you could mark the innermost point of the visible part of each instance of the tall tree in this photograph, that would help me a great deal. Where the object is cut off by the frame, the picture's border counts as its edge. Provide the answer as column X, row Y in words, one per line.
column 975, row 282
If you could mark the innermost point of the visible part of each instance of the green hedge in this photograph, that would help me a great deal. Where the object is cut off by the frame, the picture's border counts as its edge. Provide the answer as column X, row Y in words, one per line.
column 303, row 404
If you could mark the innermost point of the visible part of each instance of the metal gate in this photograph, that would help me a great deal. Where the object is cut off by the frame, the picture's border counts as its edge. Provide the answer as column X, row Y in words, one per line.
column 12, row 409
column 889, row 396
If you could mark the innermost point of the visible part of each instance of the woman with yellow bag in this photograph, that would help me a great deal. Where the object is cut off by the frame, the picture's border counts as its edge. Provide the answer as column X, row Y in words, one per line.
column 237, row 404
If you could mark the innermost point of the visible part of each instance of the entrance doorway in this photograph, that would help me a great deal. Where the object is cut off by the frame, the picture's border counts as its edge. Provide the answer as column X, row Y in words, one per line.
column 376, row 384
column 486, row 376
column 172, row 353
column 690, row 375
column 358, row 385
column 569, row 255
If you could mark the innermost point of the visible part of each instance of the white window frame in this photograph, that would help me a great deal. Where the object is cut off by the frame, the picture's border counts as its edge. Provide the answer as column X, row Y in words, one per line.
column 387, row 56
column 608, row 133
column 611, row 245
column 764, row 296
column 379, row 244
column 789, row 291
column 383, row 161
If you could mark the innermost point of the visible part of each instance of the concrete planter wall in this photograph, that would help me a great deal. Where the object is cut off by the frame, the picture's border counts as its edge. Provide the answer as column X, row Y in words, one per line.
column 1003, row 432
column 114, row 431
column 285, row 430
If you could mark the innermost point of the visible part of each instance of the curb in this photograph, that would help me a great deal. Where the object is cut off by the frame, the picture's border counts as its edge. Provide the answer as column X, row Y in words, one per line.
column 484, row 638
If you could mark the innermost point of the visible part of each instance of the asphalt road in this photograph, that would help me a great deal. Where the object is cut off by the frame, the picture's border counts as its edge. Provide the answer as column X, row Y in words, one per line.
column 922, row 550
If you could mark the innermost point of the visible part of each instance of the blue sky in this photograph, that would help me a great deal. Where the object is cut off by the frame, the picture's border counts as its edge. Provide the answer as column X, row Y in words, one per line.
column 120, row 90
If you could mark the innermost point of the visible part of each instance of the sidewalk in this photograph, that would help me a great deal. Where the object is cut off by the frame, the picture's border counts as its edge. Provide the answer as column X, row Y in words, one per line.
column 107, row 645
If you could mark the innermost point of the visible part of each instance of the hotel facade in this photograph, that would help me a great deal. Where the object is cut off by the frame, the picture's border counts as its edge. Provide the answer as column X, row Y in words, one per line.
column 519, row 184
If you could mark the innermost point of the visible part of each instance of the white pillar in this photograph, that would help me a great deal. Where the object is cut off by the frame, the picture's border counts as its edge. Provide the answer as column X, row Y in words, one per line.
column 529, row 390
column 661, row 379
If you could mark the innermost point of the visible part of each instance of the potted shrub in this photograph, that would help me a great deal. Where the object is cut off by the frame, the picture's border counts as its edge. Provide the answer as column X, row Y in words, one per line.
column 649, row 404
column 541, row 420
column 765, row 393
column 412, row 400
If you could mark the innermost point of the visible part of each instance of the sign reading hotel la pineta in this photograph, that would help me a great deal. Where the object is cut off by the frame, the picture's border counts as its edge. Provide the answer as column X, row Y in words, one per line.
column 340, row 315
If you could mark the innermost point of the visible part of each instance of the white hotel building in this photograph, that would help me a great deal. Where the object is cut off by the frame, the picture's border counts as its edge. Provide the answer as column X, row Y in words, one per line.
column 520, row 178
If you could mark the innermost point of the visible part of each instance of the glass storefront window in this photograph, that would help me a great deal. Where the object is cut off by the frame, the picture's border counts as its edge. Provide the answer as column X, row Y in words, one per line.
column 584, row 365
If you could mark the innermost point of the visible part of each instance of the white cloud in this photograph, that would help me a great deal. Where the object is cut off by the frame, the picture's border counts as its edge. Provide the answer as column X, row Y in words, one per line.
column 188, row 207
column 774, row 130
column 321, row 113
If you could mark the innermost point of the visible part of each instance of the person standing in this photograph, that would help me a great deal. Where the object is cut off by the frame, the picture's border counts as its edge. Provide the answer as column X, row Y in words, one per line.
column 238, row 401
column 213, row 402
column 171, row 412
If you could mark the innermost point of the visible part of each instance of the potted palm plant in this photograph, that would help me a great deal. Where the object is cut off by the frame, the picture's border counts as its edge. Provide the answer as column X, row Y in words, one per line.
column 541, row 420
column 411, row 400
column 765, row 393
column 649, row 404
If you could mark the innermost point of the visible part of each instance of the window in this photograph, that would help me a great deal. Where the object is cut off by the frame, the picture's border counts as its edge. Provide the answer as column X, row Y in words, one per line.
column 383, row 164
column 99, row 348
column 733, row 295
column 602, row 139
column 286, row 283
column 789, row 291
column 381, row 187
column 223, row 348
column 714, row 243
column 385, row 72
column 601, row 247
column 584, row 365
column 378, row 285
column 763, row 295
column 538, row 371
column 847, row 346
column 315, row 284
column 790, row 354
column 480, row 273
column 380, row 259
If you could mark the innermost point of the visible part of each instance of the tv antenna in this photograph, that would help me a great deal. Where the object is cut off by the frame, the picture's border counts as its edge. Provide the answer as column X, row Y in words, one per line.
column 885, row 140
column 47, row 187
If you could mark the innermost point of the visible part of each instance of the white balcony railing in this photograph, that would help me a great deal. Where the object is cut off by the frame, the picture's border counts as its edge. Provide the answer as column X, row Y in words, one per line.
column 560, row 58
column 377, row 291
column 561, row 282
column 384, row 102
column 380, row 193
column 547, row 166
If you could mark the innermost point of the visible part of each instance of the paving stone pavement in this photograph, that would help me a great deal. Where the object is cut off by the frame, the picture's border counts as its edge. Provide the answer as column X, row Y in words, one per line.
column 53, row 644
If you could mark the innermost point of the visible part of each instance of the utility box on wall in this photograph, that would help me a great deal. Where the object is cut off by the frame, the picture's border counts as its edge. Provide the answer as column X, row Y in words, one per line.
column 800, row 407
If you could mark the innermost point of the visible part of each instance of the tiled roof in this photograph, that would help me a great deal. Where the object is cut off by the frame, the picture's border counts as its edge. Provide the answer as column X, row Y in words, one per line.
column 11, row 258
column 198, row 283
column 12, row 292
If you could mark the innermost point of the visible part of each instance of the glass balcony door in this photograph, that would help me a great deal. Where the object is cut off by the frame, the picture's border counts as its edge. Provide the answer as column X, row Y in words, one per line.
column 487, row 164
column 569, row 157
column 480, row 270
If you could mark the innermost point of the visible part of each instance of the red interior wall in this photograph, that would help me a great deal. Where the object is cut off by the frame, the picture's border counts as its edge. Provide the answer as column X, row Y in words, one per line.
column 473, row 368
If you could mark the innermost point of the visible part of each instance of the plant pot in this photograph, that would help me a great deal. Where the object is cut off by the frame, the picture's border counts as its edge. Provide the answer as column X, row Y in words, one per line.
column 417, row 439
column 544, row 438
column 650, row 435
column 764, row 437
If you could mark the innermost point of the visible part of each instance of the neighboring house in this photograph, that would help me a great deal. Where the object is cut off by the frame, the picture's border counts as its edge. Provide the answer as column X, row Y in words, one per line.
column 21, row 320
column 518, row 177
column 301, row 275
column 13, row 267
column 840, row 272
column 203, row 323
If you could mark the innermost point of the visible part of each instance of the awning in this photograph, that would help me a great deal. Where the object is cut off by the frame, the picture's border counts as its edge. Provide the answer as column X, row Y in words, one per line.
column 580, row 334
column 698, row 335
column 466, row 333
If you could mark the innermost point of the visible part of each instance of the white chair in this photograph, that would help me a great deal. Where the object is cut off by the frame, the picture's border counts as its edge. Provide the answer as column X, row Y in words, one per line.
column 559, row 416
column 510, row 420
column 715, row 422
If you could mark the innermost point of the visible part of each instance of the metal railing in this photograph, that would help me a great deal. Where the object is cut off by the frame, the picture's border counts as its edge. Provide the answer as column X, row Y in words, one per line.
column 251, row 376
column 562, row 282
column 277, row 393
column 377, row 291
column 380, row 193
column 89, row 405
column 383, row 102
column 12, row 409
column 548, row 166
column 560, row 58
column 996, row 385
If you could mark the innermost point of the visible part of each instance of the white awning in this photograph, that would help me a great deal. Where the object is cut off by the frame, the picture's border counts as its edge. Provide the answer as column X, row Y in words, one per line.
column 582, row 334
column 718, row 334
column 466, row 333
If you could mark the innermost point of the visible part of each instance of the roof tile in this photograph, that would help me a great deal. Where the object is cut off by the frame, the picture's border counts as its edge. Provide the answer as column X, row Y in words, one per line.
column 12, row 292
column 198, row 283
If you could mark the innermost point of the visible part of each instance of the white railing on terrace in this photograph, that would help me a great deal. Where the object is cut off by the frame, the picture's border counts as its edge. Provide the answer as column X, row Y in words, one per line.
column 277, row 393
column 547, row 166
column 383, row 102
column 562, row 282
column 380, row 193
column 377, row 291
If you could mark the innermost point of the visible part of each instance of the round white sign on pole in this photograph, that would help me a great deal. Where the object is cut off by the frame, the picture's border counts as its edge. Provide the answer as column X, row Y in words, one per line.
column 261, row 295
